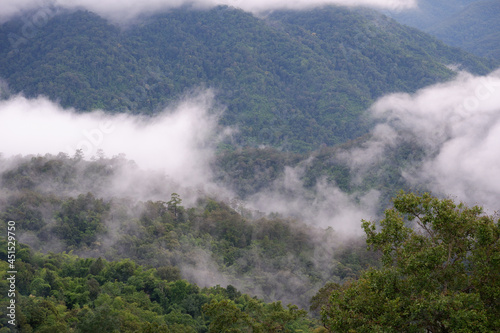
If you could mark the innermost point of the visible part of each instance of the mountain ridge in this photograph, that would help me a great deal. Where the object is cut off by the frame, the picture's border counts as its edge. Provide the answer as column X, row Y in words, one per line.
column 474, row 29
column 288, row 80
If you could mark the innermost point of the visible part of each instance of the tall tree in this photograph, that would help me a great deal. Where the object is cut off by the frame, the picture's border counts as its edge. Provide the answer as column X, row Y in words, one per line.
column 441, row 272
column 174, row 203
column 81, row 220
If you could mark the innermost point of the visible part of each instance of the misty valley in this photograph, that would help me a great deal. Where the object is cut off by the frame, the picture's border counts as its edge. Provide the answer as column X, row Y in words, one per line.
column 216, row 166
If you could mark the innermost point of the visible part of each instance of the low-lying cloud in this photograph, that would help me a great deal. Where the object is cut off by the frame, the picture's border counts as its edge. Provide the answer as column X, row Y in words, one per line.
column 127, row 9
column 458, row 125
column 325, row 206
column 179, row 141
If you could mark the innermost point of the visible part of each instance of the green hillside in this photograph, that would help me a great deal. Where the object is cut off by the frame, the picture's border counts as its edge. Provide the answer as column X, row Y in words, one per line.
column 475, row 29
column 429, row 12
column 64, row 293
column 434, row 263
column 62, row 204
column 293, row 80
column 101, row 245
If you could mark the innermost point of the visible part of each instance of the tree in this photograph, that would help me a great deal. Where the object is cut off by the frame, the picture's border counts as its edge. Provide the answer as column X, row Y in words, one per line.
column 254, row 316
column 441, row 272
column 80, row 220
column 96, row 267
column 94, row 288
column 169, row 273
column 227, row 317
column 175, row 201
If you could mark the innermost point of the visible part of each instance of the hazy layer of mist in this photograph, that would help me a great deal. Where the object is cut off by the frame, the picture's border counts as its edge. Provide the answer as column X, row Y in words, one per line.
column 179, row 141
column 458, row 125
column 128, row 9
column 173, row 152
column 288, row 282
column 325, row 206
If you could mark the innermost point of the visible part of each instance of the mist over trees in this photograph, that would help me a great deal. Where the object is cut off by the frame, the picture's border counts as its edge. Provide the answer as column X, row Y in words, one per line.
column 434, row 264
column 215, row 170
column 210, row 242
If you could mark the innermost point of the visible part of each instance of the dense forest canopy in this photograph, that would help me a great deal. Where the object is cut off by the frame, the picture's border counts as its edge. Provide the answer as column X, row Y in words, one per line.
column 139, row 252
column 441, row 272
column 293, row 80
column 471, row 25
column 261, row 146
column 63, row 293
column 132, row 242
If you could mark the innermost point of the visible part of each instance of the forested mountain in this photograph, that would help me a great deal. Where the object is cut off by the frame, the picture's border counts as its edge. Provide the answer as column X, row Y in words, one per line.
column 61, row 292
column 471, row 25
column 264, row 219
column 293, row 80
column 138, row 252
column 250, row 171
column 63, row 204
column 475, row 29
column 429, row 13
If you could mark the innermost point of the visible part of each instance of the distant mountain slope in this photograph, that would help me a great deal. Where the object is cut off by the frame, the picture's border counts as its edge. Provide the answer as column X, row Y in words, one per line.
column 475, row 29
column 374, row 51
column 294, row 80
column 429, row 12
column 472, row 25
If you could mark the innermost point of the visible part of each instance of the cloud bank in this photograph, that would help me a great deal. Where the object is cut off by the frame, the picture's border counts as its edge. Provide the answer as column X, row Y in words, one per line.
column 458, row 125
column 127, row 9
column 180, row 140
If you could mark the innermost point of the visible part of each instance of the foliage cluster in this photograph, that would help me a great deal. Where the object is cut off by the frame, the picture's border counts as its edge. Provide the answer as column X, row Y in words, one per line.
column 60, row 292
column 441, row 272
column 478, row 29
